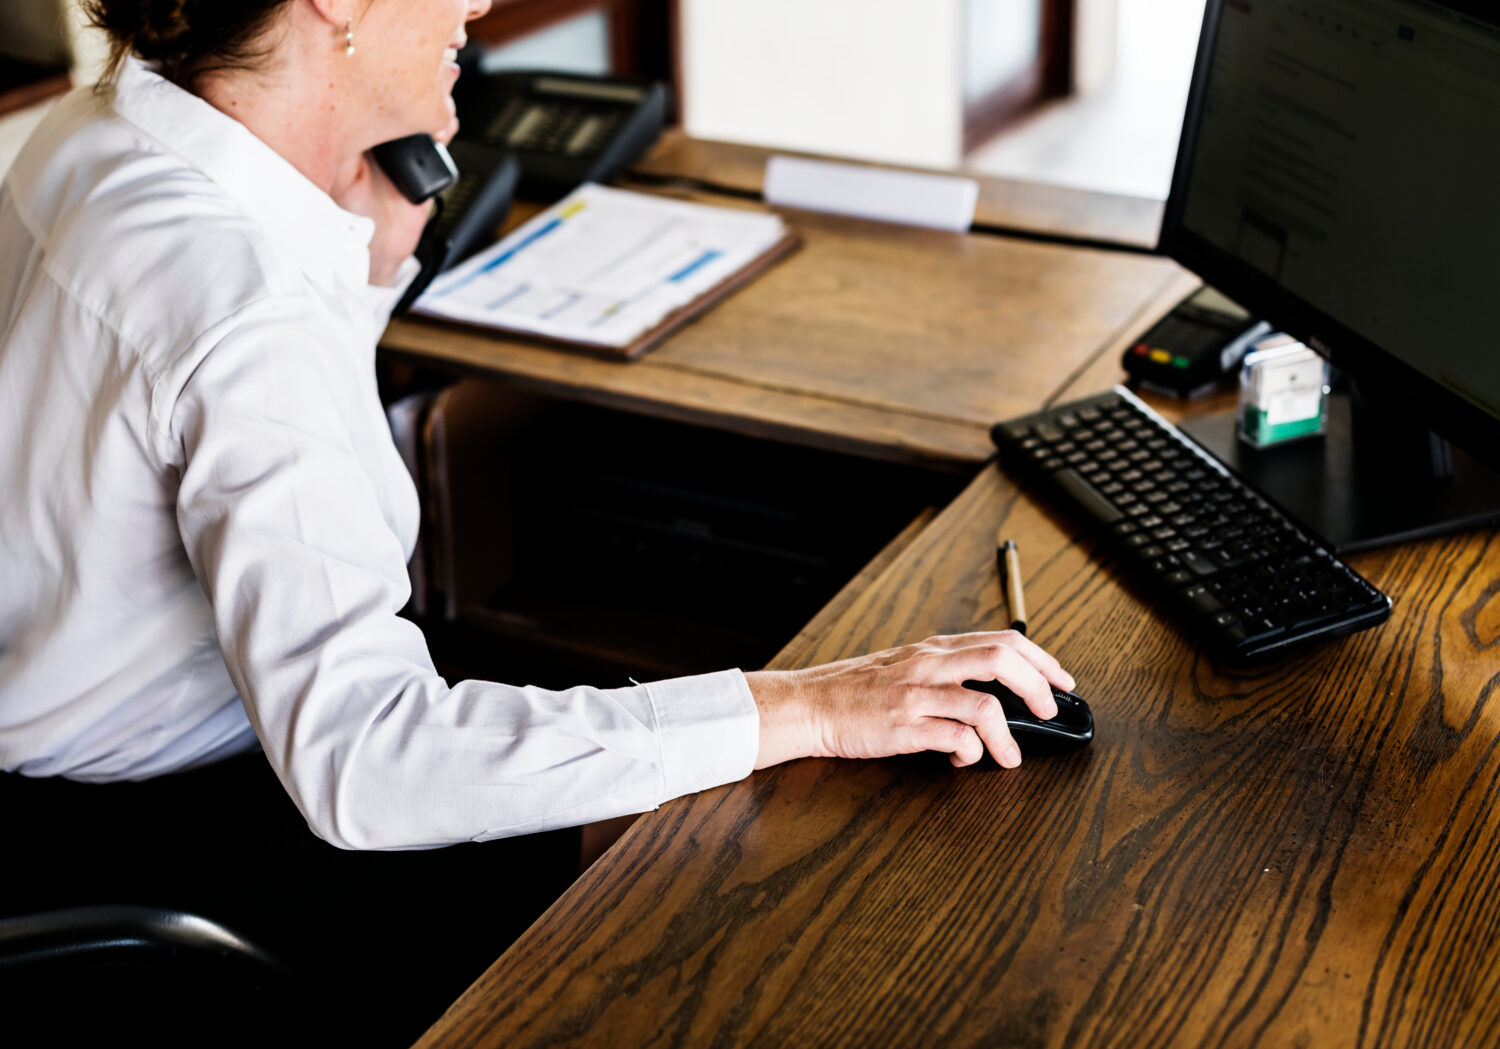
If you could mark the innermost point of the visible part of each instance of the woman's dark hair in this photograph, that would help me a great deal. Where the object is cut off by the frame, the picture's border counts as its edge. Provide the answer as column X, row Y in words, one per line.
column 185, row 38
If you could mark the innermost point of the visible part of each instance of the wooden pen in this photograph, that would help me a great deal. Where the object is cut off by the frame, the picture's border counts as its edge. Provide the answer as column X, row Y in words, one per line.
column 1010, row 575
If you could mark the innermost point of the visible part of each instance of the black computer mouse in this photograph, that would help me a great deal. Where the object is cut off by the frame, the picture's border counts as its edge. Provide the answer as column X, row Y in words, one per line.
column 1072, row 727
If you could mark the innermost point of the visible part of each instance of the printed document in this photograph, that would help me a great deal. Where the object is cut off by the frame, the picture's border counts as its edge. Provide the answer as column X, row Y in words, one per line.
column 602, row 266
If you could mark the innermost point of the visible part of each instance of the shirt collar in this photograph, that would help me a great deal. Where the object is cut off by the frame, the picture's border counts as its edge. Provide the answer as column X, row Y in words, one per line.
column 326, row 239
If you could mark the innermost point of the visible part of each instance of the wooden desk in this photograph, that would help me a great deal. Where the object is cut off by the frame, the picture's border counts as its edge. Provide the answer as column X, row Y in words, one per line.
column 1300, row 855
column 883, row 340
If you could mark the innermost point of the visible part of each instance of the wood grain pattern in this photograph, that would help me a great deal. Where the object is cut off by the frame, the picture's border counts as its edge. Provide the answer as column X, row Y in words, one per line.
column 1297, row 855
column 884, row 340
column 653, row 388
column 1005, row 202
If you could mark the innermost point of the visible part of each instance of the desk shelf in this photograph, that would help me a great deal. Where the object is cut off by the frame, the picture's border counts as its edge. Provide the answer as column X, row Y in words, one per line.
column 598, row 639
column 587, row 545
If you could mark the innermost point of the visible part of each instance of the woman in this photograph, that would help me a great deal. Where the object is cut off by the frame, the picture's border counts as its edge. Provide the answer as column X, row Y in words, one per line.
column 206, row 523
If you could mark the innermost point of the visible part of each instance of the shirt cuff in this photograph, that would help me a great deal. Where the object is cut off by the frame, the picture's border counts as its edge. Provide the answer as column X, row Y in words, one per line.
column 709, row 730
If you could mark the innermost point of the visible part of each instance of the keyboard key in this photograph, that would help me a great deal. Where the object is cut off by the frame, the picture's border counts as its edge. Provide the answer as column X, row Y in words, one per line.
column 1086, row 497
column 1202, row 601
column 1197, row 563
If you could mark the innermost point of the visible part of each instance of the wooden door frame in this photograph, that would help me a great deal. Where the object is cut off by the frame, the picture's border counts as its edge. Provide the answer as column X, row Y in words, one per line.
column 1050, row 75
column 643, row 33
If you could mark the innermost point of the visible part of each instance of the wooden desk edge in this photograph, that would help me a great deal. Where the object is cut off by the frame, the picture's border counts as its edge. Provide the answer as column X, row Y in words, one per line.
column 670, row 390
column 1029, row 206
column 664, row 391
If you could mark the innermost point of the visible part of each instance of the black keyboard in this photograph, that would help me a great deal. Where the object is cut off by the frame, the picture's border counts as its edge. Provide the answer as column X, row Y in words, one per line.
column 1247, row 579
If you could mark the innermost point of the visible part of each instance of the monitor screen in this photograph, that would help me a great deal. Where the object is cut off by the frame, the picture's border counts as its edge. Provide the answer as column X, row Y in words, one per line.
column 1339, row 175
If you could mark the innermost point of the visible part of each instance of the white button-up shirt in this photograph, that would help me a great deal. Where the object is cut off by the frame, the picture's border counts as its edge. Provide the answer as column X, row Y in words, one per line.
column 205, row 524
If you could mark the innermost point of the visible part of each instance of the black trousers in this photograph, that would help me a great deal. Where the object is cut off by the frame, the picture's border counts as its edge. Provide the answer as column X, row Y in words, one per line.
column 389, row 939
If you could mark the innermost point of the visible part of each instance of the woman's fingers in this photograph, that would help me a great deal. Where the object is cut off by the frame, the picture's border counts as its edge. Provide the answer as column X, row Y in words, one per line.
column 1043, row 660
column 981, row 716
column 959, row 741
column 994, row 661
column 1037, row 656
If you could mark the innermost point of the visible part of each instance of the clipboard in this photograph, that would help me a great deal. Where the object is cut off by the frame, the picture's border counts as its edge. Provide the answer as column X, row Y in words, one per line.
column 611, row 273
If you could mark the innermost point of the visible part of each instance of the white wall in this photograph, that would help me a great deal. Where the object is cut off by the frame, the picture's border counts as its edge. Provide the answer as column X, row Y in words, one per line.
column 871, row 79
column 90, row 45
column 1095, row 42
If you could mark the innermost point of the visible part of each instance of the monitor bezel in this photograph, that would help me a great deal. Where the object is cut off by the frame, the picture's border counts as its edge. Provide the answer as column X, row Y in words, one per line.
column 1378, row 373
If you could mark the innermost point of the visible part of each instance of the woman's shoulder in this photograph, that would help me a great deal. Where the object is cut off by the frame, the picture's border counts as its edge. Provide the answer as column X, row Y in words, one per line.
column 149, row 243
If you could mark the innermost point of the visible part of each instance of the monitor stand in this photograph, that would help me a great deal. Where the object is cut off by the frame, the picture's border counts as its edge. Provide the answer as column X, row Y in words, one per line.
column 1361, row 485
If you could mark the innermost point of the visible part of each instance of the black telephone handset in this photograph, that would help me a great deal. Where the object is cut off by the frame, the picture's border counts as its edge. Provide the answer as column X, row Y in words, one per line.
column 420, row 167
column 528, row 133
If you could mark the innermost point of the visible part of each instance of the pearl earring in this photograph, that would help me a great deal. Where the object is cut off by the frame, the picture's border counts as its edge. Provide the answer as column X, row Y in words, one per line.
column 349, row 37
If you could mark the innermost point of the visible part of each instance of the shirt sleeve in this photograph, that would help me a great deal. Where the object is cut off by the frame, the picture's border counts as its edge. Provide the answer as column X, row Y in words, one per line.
column 288, row 536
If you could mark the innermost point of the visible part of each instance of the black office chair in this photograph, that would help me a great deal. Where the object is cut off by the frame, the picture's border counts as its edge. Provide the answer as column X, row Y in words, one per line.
column 83, row 974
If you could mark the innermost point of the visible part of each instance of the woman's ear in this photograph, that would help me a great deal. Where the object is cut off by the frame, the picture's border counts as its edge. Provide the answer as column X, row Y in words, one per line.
column 335, row 13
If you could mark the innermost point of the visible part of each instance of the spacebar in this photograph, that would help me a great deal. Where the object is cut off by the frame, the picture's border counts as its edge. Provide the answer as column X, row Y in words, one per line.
column 1086, row 496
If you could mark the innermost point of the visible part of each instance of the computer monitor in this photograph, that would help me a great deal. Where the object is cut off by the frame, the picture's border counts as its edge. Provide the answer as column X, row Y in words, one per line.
column 1339, row 176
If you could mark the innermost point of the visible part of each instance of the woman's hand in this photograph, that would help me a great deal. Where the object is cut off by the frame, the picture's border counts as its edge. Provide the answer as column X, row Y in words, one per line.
column 904, row 700
column 398, row 222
